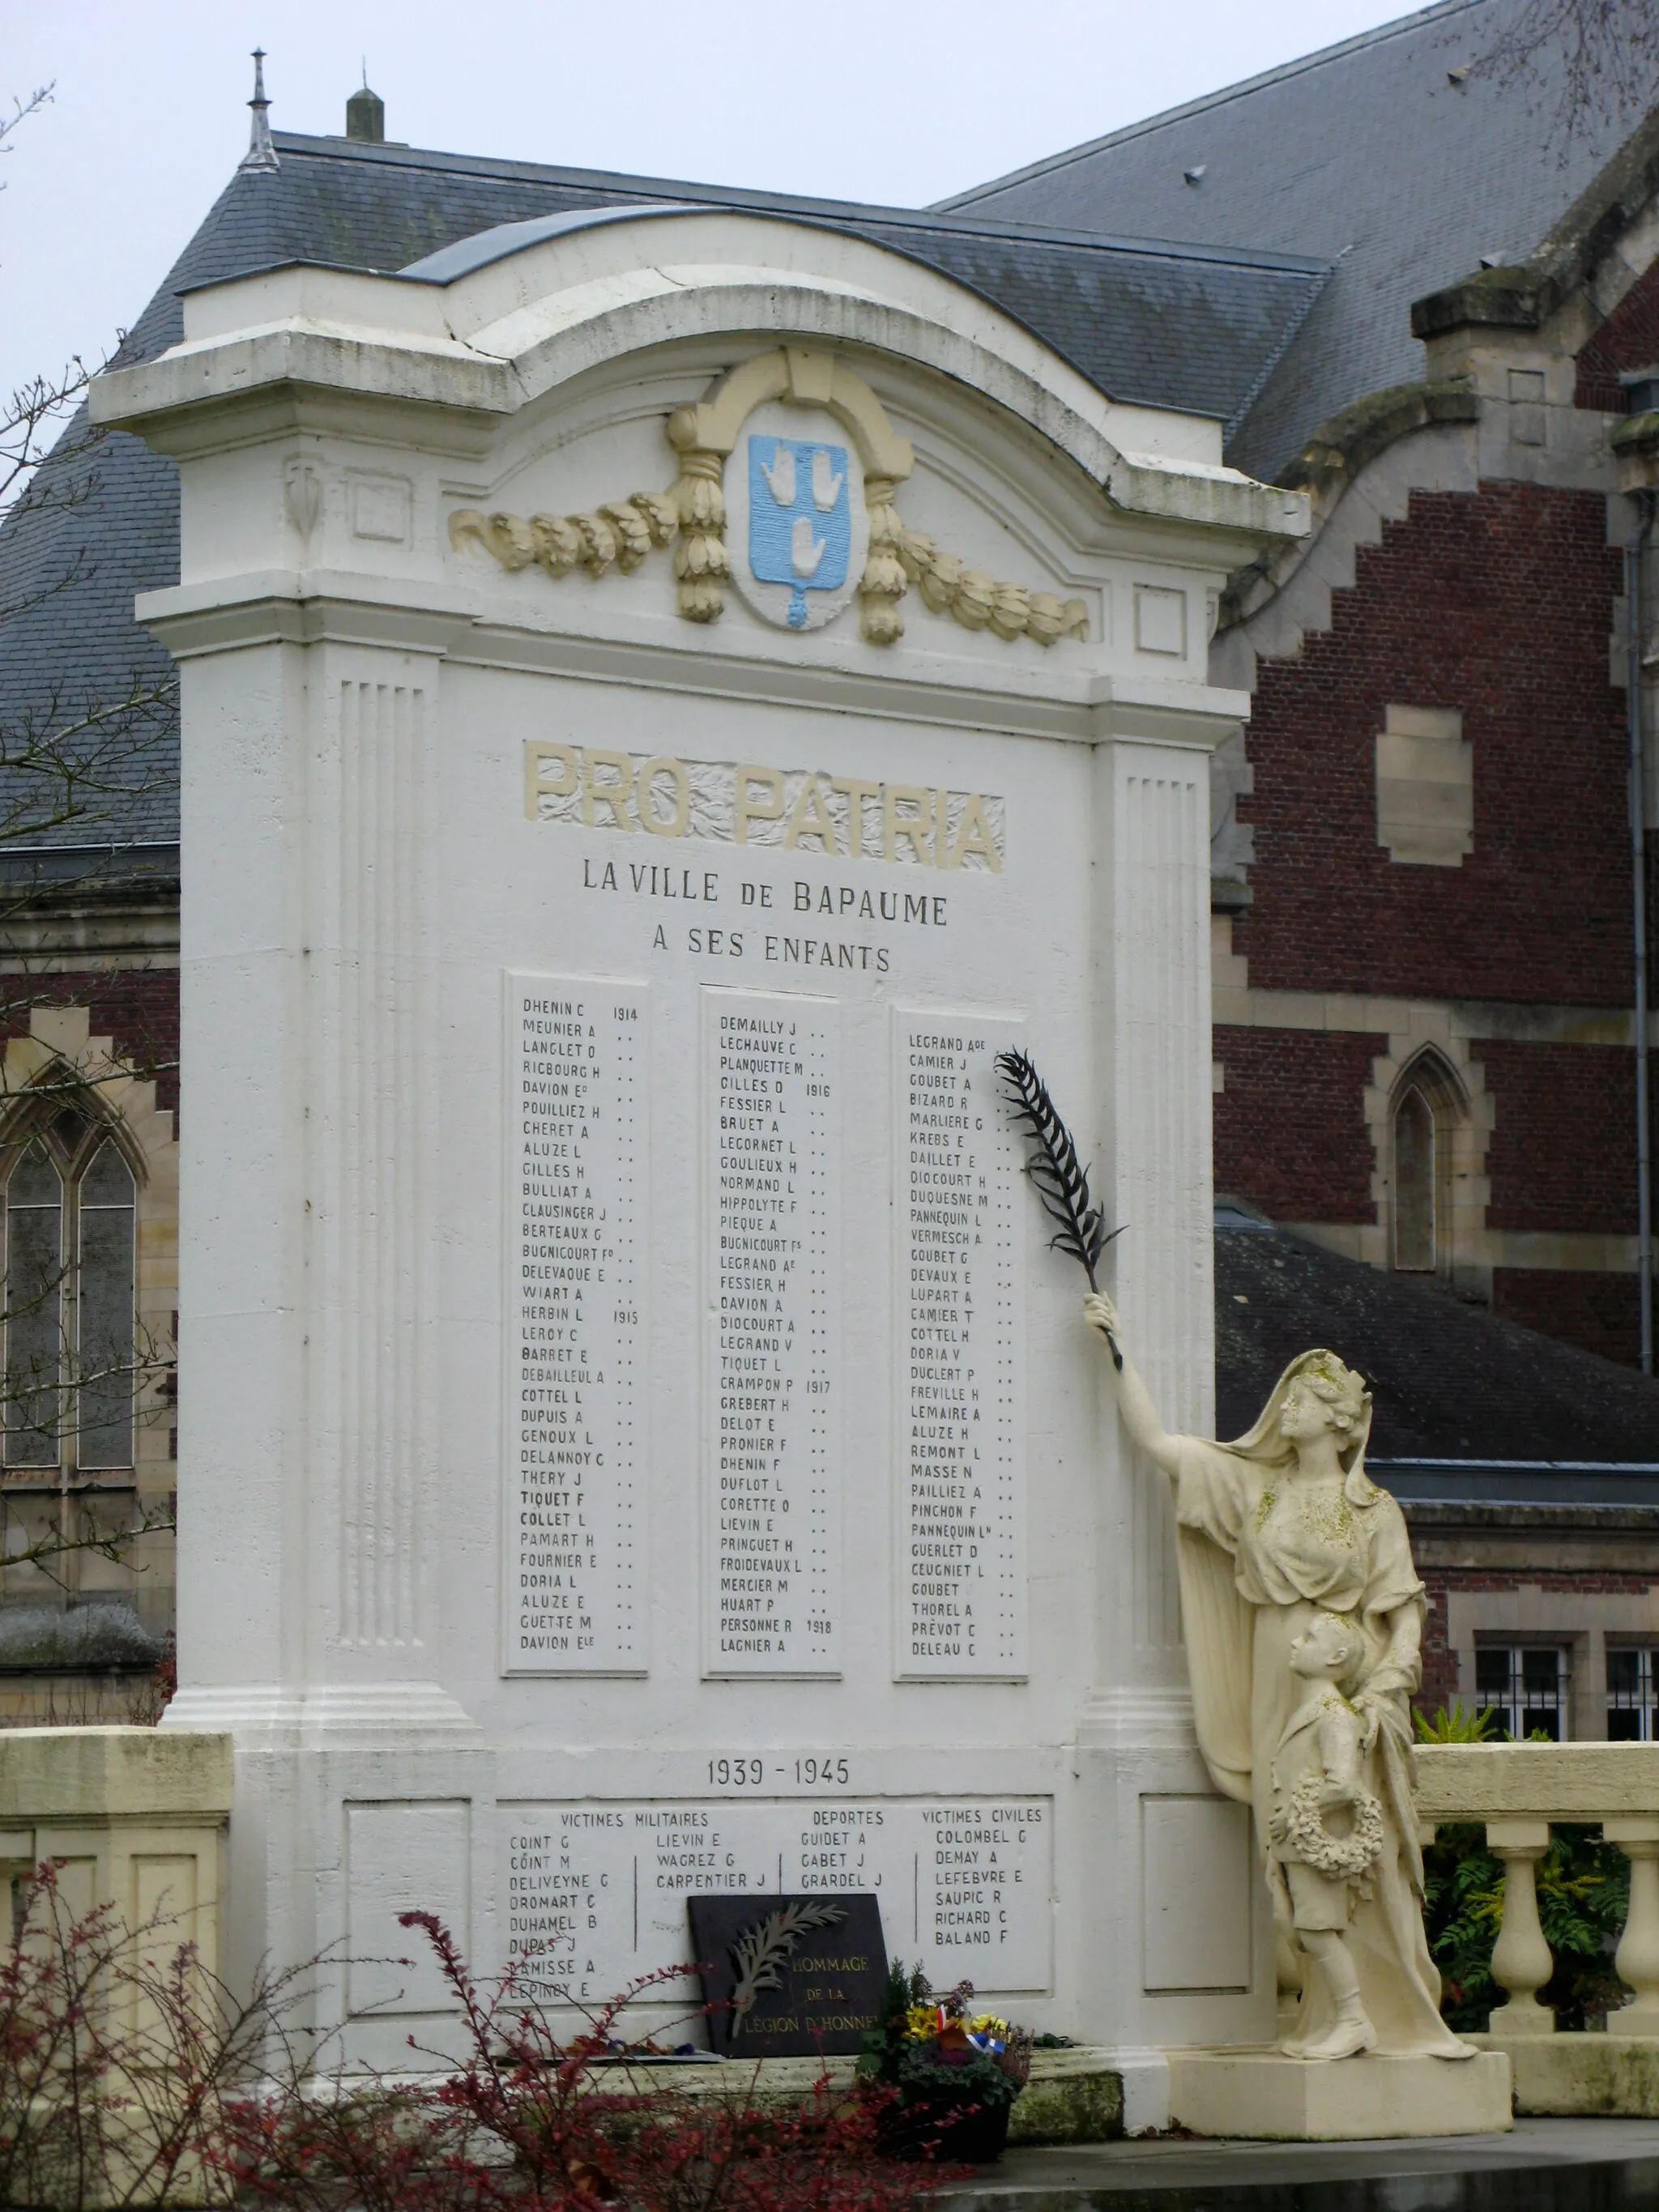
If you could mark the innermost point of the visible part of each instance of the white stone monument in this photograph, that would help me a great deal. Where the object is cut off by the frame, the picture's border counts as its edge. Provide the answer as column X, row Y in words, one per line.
column 667, row 698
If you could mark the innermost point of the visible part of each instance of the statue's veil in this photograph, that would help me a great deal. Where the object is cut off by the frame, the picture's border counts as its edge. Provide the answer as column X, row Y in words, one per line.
column 1218, row 1624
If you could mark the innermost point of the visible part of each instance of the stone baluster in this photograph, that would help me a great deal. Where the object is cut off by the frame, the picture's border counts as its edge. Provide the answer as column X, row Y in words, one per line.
column 1520, row 1960
column 1637, row 1956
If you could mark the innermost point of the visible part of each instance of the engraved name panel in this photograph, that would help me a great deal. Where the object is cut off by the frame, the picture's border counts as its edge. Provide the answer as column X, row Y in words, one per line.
column 596, row 1892
column 576, row 1154
column 958, row 1303
column 772, row 1163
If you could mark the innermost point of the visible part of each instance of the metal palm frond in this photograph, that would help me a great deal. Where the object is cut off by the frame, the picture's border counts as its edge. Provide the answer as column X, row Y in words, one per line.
column 1057, row 1175
column 760, row 1952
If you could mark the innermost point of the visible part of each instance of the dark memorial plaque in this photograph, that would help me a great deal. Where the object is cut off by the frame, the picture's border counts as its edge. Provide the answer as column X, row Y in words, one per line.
column 789, row 1976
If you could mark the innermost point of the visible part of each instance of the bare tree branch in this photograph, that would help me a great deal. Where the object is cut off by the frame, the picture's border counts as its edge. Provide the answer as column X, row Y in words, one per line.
column 114, row 1545
column 62, row 766
column 22, row 109
column 34, row 417
column 1597, row 60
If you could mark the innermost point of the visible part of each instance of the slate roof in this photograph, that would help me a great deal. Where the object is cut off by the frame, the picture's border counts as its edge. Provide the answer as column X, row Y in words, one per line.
column 1195, row 328
column 1449, row 1382
column 1365, row 155
column 1190, row 327
column 110, row 527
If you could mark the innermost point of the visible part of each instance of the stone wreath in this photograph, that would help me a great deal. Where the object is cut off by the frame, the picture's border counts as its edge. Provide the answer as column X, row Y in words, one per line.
column 1342, row 1857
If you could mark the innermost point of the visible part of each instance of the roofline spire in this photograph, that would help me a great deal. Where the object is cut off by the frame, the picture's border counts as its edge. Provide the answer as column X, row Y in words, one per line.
column 261, row 154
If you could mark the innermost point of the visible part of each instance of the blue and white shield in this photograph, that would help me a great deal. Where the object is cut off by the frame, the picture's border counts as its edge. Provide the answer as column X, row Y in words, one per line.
column 800, row 518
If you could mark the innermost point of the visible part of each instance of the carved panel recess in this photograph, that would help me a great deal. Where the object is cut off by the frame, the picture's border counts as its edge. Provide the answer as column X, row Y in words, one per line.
column 374, row 1410
column 1157, row 1067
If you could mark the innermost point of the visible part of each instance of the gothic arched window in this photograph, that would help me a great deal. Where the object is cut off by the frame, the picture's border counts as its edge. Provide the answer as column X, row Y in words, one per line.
column 1427, row 1104
column 1415, row 1209
column 71, row 1208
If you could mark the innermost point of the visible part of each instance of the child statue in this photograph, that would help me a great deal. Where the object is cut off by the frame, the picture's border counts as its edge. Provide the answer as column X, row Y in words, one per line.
column 1317, row 1873
column 1271, row 1531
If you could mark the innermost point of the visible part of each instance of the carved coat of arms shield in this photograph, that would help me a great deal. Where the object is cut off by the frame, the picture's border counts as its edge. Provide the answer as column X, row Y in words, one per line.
column 797, row 519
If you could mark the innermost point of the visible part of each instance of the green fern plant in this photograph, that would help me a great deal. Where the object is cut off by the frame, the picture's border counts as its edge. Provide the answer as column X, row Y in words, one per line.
column 1457, row 1723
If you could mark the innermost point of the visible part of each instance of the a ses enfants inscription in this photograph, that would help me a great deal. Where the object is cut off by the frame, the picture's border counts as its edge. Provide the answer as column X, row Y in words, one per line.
column 772, row 1089
column 958, row 1302
column 596, row 1891
column 576, row 1132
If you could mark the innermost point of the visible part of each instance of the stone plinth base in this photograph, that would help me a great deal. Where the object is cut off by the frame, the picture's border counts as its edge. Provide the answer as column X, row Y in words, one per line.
column 1260, row 2096
column 1583, row 2076
column 1073, row 2096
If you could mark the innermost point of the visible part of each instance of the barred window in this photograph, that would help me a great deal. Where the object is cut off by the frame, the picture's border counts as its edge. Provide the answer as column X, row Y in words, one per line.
column 1631, row 1694
column 1525, row 1685
column 70, row 1257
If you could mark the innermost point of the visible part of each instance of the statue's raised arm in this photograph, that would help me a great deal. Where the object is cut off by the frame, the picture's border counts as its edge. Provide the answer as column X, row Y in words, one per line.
column 1134, row 1401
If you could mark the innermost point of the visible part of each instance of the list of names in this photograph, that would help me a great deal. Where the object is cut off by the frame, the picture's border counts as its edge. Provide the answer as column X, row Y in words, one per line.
column 576, row 1153
column 596, row 1892
column 958, row 1306
column 772, row 1094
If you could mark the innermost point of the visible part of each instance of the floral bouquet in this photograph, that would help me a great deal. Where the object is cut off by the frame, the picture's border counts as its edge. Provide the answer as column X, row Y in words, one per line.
column 956, row 2072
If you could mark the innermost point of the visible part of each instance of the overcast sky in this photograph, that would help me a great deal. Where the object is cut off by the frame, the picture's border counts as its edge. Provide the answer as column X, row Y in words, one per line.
column 895, row 100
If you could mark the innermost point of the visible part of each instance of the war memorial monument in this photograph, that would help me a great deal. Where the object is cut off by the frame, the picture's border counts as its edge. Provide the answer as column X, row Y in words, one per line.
column 669, row 696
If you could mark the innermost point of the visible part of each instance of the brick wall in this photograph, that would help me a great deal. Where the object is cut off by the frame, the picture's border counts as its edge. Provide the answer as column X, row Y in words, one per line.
column 1562, row 1151
column 1500, row 603
column 1439, row 1685
column 1289, row 1123
column 137, row 1007
column 1439, row 1662
column 1628, row 339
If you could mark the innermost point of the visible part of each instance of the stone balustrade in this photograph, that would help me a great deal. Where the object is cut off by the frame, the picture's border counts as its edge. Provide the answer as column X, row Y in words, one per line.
column 135, row 1821
column 1518, row 1792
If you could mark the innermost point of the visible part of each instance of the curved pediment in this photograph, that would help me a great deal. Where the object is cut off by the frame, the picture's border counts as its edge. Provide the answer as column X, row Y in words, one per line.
column 776, row 425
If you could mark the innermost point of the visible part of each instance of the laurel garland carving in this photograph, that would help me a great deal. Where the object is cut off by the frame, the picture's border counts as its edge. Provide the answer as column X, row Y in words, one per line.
column 615, row 536
column 691, row 515
column 978, row 601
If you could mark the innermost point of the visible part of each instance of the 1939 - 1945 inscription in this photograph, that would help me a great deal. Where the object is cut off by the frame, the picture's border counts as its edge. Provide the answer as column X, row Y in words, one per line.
column 789, row 1976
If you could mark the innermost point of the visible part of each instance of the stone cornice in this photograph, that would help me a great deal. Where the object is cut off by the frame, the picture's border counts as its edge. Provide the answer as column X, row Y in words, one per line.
column 1342, row 446
column 295, row 608
column 1635, row 446
column 289, row 606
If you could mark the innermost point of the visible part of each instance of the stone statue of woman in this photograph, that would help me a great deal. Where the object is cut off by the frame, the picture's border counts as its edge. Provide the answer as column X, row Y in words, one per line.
column 1277, row 1533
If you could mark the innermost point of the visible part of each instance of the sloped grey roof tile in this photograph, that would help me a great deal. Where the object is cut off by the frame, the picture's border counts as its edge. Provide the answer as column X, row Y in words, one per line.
column 1365, row 155
column 1448, row 1380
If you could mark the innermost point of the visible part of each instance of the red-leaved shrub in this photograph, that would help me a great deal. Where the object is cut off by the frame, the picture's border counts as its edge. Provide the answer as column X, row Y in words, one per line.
column 129, row 2075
